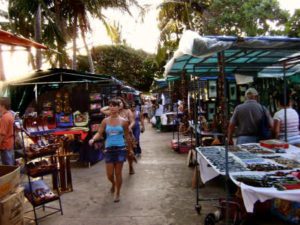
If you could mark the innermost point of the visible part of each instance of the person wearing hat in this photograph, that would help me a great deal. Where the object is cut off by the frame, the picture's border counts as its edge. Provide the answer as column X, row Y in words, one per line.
column 247, row 118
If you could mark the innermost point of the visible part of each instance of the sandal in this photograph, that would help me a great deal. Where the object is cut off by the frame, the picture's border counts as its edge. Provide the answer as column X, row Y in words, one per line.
column 117, row 198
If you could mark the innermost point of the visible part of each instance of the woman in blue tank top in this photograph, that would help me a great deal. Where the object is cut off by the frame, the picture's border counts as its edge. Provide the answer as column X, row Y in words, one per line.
column 116, row 130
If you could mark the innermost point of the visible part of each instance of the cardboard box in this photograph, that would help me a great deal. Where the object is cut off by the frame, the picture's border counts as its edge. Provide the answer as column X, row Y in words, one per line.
column 12, row 208
column 9, row 179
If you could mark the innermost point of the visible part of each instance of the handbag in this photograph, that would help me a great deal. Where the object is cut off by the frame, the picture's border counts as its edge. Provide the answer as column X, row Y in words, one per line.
column 264, row 131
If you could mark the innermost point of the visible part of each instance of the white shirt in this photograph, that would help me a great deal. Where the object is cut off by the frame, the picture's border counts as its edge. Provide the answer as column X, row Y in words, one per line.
column 292, row 122
column 159, row 111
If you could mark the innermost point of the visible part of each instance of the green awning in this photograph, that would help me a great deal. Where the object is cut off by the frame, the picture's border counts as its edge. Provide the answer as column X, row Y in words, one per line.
column 250, row 56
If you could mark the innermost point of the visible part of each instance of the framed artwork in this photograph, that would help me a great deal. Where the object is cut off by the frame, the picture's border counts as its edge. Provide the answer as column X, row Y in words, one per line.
column 211, row 110
column 212, row 89
column 232, row 92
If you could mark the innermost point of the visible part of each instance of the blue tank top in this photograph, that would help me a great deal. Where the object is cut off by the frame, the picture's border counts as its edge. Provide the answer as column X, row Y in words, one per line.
column 114, row 136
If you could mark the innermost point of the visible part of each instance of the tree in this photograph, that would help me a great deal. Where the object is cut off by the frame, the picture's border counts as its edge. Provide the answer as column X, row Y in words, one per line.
column 244, row 17
column 60, row 21
column 293, row 25
column 135, row 67
column 219, row 17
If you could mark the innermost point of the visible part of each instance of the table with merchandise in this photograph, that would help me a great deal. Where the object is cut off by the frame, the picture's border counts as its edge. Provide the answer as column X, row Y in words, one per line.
column 262, row 171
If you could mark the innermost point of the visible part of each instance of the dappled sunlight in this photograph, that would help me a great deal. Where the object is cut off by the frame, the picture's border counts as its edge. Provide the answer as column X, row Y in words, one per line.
column 16, row 63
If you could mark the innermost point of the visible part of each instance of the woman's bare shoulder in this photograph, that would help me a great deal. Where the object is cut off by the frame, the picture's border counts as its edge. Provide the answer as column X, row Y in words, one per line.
column 123, row 120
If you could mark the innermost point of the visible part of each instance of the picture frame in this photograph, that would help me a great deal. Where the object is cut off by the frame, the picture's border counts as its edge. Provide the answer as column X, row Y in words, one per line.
column 211, row 110
column 232, row 92
column 212, row 89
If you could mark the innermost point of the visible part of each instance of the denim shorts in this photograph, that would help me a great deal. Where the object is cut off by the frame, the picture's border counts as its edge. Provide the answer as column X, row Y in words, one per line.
column 7, row 157
column 115, row 154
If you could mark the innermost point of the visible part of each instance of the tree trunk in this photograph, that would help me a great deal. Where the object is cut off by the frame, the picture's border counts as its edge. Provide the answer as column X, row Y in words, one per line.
column 58, row 20
column 31, row 59
column 89, row 55
column 2, row 75
column 37, row 34
column 74, row 61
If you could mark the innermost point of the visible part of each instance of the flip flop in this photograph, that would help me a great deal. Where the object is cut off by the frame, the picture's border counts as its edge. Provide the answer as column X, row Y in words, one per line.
column 117, row 199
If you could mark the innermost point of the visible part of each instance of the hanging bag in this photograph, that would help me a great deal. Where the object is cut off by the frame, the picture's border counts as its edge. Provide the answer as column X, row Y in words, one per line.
column 264, row 127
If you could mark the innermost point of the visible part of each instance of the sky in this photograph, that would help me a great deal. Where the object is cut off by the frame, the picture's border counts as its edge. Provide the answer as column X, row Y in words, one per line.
column 138, row 35
column 145, row 36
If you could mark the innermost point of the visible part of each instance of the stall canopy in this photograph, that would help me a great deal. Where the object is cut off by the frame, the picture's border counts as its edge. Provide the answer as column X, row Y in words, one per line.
column 22, row 92
column 249, row 56
column 11, row 39
column 56, row 76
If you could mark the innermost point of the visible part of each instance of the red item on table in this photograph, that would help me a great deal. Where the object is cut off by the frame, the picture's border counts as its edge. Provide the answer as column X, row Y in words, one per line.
column 274, row 143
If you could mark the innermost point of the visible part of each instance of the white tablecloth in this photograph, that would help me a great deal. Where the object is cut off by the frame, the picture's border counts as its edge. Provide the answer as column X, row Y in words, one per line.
column 206, row 171
column 252, row 194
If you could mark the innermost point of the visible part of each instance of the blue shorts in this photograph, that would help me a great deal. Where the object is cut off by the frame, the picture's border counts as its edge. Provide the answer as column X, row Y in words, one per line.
column 7, row 157
column 115, row 154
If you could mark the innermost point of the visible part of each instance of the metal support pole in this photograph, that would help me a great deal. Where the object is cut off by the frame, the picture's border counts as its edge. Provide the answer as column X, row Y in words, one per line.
column 223, row 104
column 195, row 109
column 285, row 100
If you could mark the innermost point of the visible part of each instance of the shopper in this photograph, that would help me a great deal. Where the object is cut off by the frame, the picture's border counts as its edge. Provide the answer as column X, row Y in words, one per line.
column 292, row 122
column 138, row 128
column 146, row 107
column 6, row 132
column 159, row 110
column 247, row 117
column 126, row 114
column 115, row 128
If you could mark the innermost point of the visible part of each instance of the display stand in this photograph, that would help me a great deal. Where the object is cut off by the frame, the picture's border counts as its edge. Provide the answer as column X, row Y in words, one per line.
column 63, row 159
column 39, row 162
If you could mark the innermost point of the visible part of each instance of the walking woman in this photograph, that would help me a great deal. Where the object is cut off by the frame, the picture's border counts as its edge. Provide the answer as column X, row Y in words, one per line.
column 138, row 128
column 115, row 128
column 127, row 115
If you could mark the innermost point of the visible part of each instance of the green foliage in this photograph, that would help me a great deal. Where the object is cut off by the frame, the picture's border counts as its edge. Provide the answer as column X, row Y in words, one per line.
column 244, row 17
column 135, row 67
column 293, row 25
column 58, row 20
column 220, row 17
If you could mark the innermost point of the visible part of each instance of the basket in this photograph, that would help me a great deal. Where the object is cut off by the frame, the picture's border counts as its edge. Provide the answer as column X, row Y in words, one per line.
column 9, row 179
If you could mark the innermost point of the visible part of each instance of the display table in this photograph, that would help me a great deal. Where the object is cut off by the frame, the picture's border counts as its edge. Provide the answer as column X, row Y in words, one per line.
column 168, row 121
column 209, row 169
column 204, row 133
column 252, row 194
column 83, row 134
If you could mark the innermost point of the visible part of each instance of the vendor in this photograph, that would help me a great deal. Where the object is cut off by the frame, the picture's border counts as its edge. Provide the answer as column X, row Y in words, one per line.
column 292, row 122
column 6, row 133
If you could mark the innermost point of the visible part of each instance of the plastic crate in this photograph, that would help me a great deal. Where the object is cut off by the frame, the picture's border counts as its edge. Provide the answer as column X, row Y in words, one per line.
column 9, row 179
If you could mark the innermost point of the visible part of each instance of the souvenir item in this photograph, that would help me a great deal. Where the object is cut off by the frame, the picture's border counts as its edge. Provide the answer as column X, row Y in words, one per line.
column 274, row 143
column 58, row 102
column 216, row 157
column 95, row 97
column 95, row 106
column 66, row 104
column 63, row 120
column 80, row 119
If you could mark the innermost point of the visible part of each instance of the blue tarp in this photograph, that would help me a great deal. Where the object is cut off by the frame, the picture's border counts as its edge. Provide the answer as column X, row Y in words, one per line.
column 250, row 56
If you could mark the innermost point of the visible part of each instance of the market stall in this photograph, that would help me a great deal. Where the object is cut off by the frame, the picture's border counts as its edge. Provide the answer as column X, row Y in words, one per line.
column 66, row 102
column 243, row 57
